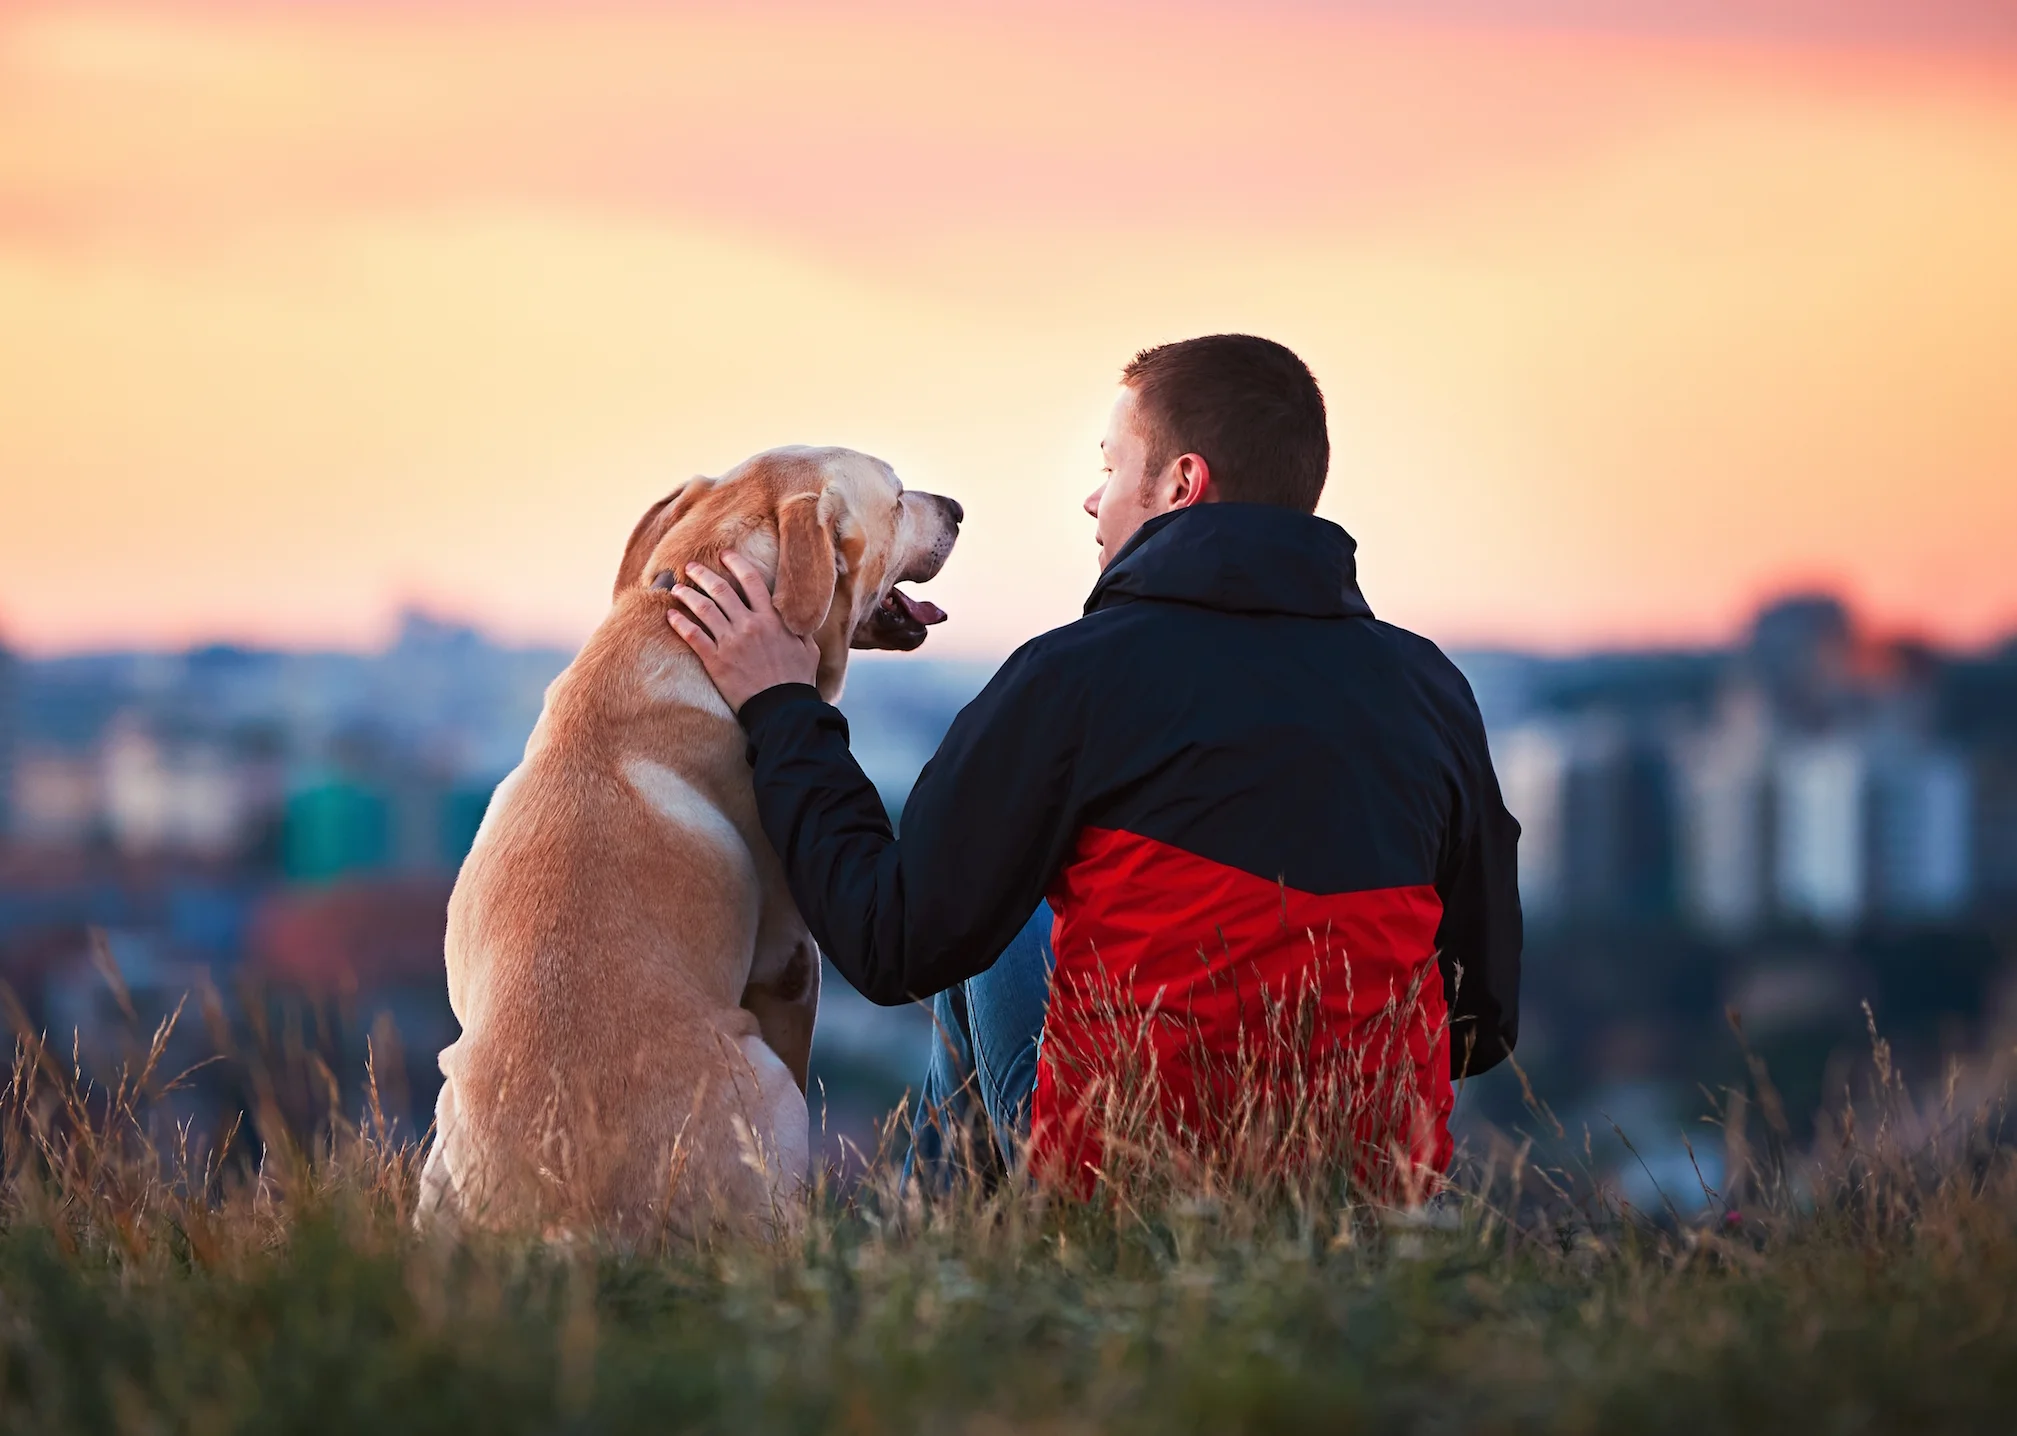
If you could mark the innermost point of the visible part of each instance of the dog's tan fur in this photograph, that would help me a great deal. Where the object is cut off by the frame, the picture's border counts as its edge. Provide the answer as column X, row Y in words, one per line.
column 635, row 986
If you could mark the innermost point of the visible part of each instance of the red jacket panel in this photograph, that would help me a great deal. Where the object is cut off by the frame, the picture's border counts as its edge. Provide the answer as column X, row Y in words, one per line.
column 1200, row 996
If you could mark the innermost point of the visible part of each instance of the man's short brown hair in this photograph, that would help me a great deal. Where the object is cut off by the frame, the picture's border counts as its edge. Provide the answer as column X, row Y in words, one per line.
column 1247, row 406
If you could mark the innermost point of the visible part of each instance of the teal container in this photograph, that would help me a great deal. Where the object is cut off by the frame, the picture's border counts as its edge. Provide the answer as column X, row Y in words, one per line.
column 333, row 829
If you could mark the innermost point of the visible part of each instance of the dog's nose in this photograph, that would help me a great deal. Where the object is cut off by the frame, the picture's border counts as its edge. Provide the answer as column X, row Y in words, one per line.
column 952, row 506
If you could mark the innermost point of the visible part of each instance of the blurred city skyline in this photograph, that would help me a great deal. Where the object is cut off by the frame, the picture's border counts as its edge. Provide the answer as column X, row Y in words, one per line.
column 1631, row 316
column 1787, row 826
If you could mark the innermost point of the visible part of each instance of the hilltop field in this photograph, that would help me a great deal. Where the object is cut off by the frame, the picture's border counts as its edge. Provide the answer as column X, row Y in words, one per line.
column 1865, row 1282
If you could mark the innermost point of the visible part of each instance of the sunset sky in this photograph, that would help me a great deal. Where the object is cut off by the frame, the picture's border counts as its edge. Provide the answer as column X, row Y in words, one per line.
column 1628, row 314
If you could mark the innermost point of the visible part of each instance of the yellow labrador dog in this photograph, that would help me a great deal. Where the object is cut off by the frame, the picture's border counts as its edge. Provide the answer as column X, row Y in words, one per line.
column 635, row 986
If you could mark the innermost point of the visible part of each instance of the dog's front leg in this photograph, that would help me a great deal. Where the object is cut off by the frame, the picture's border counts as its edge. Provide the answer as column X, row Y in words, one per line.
column 784, row 996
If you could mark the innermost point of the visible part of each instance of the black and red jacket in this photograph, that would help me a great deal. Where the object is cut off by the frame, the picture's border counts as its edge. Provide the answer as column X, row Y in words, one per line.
column 1227, row 774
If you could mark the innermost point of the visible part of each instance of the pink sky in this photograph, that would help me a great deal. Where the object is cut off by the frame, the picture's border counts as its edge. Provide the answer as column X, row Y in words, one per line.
column 310, row 310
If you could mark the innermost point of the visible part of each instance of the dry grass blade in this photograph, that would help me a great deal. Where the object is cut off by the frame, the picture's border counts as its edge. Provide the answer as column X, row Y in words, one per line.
column 1270, row 1261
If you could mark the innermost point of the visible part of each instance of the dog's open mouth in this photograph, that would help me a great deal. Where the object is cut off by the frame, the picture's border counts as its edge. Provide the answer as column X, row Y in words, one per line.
column 898, row 622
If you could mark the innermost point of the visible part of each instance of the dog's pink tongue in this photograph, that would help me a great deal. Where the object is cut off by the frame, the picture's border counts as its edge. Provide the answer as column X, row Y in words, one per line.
column 919, row 609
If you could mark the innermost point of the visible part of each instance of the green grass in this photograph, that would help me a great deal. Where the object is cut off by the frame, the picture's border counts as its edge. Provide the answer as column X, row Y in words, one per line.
column 1867, row 1286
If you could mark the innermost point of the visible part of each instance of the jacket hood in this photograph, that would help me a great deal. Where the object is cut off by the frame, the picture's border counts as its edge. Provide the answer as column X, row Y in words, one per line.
column 1240, row 558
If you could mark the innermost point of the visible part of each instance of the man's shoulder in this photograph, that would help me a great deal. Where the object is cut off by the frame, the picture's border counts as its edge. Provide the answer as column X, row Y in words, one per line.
column 1412, row 648
column 1115, row 645
column 1432, row 672
column 1100, row 637
column 1064, row 665
column 1088, row 640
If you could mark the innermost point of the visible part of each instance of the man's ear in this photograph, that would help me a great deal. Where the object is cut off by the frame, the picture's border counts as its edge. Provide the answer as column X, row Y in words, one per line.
column 1188, row 482
column 651, row 528
column 806, row 575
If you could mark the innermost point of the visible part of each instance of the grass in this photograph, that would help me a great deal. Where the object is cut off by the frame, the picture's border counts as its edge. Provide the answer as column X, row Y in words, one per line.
column 153, row 1283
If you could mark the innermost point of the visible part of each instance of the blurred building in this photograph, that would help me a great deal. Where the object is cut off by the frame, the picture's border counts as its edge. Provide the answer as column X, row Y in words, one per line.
column 1532, row 759
column 1593, row 798
column 1801, row 656
column 1789, row 825
column 1977, row 710
column 898, row 709
column 315, row 764
column 1994, row 833
column 56, row 800
column 1820, row 842
column 167, row 808
column 1830, row 789
column 194, row 793
column 1726, row 829
column 353, row 937
column 9, row 707
column 1921, row 804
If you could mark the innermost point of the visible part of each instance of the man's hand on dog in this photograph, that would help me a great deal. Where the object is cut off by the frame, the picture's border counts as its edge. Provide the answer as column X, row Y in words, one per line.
column 744, row 645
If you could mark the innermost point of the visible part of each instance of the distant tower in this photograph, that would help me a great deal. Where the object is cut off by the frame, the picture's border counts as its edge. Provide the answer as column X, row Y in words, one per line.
column 1595, row 813
column 1922, row 831
column 1802, row 654
column 1821, row 852
column 1532, row 760
column 1725, row 811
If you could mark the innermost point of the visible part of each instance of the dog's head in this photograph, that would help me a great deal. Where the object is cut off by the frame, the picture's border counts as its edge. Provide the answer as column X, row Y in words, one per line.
column 833, row 530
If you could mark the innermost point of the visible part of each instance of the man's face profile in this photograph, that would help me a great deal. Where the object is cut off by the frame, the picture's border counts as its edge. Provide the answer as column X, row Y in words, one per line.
column 1125, row 501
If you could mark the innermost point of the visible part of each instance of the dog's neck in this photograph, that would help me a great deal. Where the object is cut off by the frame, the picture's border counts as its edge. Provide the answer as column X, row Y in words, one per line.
column 670, row 675
column 635, row 671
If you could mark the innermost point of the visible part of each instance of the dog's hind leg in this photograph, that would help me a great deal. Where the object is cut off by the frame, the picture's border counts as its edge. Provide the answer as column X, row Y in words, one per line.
column 771, row 1126
column 436, row 1202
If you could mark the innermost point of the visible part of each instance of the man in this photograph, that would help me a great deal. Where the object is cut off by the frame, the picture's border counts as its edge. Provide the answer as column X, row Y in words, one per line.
column 1227, row 779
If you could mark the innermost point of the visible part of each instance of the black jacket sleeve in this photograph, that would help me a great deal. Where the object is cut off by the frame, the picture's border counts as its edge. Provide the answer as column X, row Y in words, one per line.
column 1480, row 935
column 986, row 827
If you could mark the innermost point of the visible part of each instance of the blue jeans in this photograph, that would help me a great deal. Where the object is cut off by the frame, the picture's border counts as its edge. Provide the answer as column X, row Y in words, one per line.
column 984, row 1061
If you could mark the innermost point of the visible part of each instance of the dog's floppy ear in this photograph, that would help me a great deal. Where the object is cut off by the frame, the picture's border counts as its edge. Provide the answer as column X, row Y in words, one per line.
column 651, row 528
column 806, row 576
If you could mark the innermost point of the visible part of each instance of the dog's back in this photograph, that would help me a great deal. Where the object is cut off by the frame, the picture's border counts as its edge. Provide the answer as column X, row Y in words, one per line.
column 601, row 934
